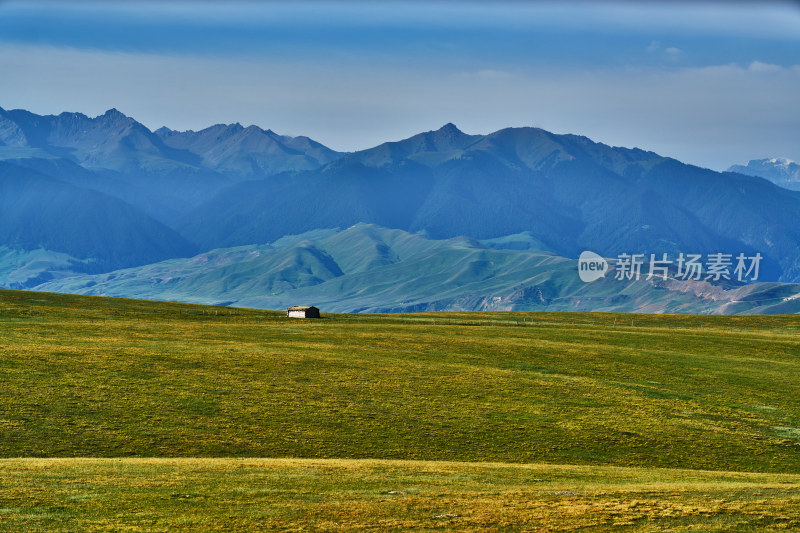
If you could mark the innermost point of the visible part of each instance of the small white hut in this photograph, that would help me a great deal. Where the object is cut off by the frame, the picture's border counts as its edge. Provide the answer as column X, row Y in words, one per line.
column 297, row 311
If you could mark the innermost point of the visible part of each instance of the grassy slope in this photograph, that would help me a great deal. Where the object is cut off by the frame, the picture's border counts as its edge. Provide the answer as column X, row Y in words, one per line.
column 93, row 377
column 25, row 268
column 104, row 377
column 375, row 495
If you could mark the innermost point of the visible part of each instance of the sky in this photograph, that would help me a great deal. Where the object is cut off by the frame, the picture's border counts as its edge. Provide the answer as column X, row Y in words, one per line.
column 712, row 84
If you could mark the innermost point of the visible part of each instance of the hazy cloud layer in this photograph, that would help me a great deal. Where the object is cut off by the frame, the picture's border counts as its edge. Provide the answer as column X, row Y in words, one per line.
column 709, row 84
column 714, row 116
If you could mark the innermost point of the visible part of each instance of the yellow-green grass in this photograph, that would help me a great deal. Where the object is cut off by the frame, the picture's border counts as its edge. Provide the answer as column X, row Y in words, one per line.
column 96, row 377
column 377, row 495
column 593, row 395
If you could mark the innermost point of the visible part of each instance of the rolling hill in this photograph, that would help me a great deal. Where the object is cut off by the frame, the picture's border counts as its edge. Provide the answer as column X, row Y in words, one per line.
column 368, row 268
column 149, row 379
column 156, row 416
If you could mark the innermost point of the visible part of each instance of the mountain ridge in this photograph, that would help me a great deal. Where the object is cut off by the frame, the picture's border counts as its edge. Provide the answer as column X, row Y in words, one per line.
column 568, row 191
column 248, row 152
column 138, row 166
column 229, row 185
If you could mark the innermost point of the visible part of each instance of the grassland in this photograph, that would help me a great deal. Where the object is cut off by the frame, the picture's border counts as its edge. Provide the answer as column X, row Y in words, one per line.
column 106, row 378
column 376, row 495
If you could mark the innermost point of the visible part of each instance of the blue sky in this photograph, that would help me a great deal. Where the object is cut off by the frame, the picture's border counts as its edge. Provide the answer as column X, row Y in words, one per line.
column 712, row 84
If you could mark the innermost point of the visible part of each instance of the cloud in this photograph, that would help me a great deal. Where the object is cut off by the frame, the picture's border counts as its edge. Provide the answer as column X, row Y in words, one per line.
column 758, row 66
column 670, row 54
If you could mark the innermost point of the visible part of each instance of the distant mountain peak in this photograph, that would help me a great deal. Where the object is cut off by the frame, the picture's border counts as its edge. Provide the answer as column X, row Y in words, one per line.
column 769, row 161
column 781, row 161
column 10, row 133
column 449, row 128
column 69, row 115
column 113, row 115
column 114, row 112
column 450, row 133
column 782, row 171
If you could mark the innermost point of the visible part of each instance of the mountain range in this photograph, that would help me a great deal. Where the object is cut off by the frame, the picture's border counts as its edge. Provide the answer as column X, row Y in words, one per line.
column 368, row 268
column 779, row 170
column 86, row 197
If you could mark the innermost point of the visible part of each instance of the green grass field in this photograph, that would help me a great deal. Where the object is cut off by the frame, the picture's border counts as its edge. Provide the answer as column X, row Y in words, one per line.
column 377, row 495
column 608, row 409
